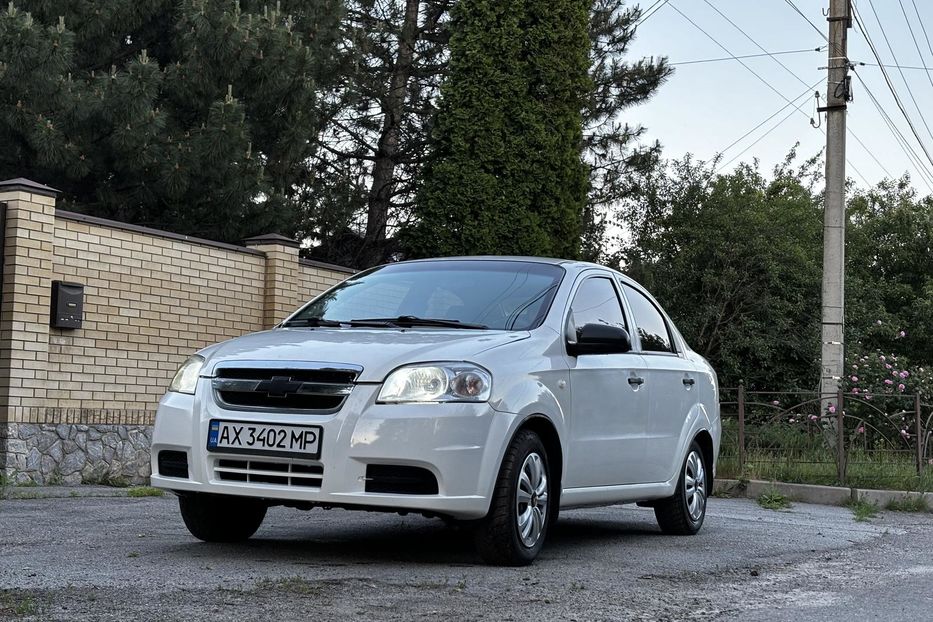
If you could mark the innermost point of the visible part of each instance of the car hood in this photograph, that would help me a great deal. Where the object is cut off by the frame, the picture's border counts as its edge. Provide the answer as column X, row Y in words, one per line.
column 377, row 351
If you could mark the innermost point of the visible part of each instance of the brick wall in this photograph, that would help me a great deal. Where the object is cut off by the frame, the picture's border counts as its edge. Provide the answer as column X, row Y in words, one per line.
column 151, row 299
column 76, row 405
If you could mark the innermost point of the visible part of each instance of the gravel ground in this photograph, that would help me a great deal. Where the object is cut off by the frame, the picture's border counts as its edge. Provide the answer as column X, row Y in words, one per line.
column 123, row 558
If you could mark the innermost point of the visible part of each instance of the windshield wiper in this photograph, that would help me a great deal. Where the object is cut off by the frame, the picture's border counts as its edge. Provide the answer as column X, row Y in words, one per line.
column 411, row 320
column 313, row 322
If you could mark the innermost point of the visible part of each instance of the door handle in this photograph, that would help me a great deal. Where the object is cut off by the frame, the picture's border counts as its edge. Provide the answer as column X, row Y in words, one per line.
column 689, row 382
column 636, row 381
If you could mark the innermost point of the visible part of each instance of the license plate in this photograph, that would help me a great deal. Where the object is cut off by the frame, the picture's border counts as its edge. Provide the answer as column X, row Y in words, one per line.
column 296, row 441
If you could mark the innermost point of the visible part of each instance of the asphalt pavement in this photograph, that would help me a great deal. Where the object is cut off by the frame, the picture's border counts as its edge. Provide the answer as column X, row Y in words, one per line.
column 96, row 559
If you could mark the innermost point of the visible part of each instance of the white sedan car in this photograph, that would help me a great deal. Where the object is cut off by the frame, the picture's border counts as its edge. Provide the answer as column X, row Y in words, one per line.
column 491, row 391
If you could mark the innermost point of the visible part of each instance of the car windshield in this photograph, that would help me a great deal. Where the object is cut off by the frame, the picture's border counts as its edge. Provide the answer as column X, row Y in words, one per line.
column 502, row 295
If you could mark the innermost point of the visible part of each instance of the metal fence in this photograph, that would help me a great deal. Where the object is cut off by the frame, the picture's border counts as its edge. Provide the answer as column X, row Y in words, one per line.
column 866, row 440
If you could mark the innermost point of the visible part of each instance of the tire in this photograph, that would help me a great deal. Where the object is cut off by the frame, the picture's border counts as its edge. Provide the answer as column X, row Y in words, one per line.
column 521, row 510
column 682, row 513
column 221, row 518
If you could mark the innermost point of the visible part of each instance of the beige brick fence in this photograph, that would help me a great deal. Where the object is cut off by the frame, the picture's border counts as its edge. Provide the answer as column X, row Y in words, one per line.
column 77, row 405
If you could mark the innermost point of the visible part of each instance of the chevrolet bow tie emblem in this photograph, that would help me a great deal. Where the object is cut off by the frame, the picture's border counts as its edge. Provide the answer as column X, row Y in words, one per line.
column 279, row 386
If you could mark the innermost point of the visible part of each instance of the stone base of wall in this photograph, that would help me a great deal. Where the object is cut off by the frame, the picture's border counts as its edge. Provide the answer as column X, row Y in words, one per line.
column 72, row 453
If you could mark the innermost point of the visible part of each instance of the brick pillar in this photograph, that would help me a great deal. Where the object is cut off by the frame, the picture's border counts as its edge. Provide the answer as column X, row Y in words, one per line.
column 25, row 295
column 281, row 287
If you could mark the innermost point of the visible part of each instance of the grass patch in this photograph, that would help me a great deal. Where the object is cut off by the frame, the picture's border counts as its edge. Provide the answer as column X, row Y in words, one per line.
column 17, row 605
column 144, row 491
column 863, row 510
column 908, row 504
column 27, row 484
column 772, row 499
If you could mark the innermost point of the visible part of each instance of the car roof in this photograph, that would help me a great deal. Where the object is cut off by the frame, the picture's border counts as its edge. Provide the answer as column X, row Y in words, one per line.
column 549, row 260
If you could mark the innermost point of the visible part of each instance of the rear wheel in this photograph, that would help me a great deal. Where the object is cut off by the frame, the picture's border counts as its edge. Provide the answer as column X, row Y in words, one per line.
column 683, row 513
column 221, row 518
column 513, row 532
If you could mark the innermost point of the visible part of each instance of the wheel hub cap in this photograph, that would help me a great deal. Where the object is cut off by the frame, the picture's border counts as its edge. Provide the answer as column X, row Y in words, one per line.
column 695, row 486
column 531, row 500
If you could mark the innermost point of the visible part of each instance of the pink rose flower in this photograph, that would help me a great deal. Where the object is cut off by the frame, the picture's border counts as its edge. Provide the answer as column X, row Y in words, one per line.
column 861, row 429
column 813, row 417
column 904, row 374
column 888, row 381
column 855, row 389
column 901, row 387
column 902, row 334
column 832, row 409
column 854, row 378
column 882, row 357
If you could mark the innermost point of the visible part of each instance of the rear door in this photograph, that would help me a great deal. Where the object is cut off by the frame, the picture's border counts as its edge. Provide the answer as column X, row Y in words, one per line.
column 670, row 384
column 608, row 408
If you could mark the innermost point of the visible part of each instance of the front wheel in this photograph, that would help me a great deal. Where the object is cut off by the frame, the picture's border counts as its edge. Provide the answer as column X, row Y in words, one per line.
column 513, row 531
column 683, row 513
column 221, row 518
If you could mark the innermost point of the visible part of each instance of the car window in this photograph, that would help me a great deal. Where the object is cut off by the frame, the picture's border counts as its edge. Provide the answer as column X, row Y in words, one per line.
column 651, row 327
column 505, row 295
column 596, row 302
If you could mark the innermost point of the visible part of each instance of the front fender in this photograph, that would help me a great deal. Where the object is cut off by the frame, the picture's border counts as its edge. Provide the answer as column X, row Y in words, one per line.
column 536, row 397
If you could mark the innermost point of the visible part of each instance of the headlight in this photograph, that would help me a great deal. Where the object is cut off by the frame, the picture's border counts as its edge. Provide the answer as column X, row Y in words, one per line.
column 439, row 382
column 186, row 378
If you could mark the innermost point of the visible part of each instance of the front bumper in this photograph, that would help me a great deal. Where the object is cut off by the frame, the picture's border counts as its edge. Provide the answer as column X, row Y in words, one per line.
column 460, row 443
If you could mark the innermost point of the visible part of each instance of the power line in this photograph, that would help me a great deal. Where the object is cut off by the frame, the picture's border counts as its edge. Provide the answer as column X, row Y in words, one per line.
column 899, row 138
column 922, row 27
column 801, row 13
column 912, row 36
column 890, row 84
column 648, row 12
column 727, row 51
column 910, row 91
column 774, row 114
column 912, row 156
column 792, row 73
column 724, row 58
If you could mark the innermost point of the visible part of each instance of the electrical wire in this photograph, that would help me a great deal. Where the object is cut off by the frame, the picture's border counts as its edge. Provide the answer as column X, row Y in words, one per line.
column 774, row 114
column 916, row 44
column 727, row 51
column 648, row 13
column 795, row 76
column 890, row 84
column 902, row 142
column 910, row 91
column 724, row 58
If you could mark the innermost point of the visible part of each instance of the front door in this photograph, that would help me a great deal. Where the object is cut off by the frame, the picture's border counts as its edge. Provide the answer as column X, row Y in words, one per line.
column 609, row 407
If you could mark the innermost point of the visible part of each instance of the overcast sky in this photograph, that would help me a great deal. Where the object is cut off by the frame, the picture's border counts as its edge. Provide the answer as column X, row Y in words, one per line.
column 704, row 107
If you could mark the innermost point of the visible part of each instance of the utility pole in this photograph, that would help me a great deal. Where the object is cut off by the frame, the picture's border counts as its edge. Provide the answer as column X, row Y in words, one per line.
column 832, row 361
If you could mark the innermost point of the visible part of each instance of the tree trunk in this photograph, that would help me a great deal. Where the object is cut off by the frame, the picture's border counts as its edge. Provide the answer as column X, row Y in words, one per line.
column 393, row 109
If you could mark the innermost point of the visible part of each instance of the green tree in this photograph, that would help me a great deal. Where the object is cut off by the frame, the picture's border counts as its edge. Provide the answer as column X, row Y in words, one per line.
column 736, row 260
column 611, row 147
column 889, row 270
column 506, row 174
column 378, row 117
column 193, row 116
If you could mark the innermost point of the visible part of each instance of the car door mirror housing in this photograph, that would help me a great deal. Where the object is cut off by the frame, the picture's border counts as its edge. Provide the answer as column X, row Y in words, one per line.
column 600, row 339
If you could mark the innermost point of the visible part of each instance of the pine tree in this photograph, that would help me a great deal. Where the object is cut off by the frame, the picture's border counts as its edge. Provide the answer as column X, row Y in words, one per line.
column 196, row 116
column 506, row 174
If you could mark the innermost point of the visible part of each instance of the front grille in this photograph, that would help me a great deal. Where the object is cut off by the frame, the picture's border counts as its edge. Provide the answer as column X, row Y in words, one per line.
column 269, row 472
column 255, row 388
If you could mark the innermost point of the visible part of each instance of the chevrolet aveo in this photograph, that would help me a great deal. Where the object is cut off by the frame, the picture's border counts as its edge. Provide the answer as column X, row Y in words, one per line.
column 487, row 391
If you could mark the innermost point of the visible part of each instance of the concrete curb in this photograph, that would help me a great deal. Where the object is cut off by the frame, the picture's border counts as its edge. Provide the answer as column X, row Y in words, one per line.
column 810, row 493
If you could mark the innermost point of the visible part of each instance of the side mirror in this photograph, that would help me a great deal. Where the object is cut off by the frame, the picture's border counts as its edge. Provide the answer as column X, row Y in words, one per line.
column 600, row 339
